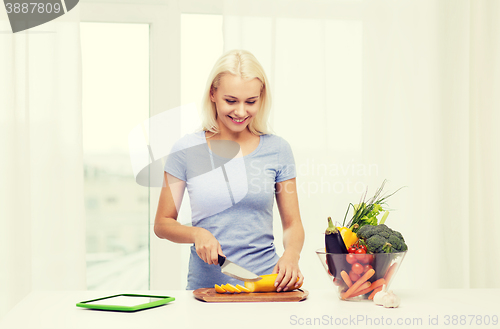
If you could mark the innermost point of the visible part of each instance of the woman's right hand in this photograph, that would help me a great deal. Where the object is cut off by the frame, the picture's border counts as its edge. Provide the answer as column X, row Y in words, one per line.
column 207, row 246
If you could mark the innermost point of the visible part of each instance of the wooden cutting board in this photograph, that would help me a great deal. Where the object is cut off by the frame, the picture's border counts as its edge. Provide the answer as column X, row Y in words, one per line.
column 209, row 295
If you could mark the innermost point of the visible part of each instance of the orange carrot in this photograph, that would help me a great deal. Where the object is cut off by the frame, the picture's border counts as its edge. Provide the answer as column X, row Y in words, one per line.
column 374, row 285
column 390, row 272
column 364, row 286
column 378, row 283
column 346, row 278
column 362, row 292
column 374, row 292
column 368, row 274
column 389, row 269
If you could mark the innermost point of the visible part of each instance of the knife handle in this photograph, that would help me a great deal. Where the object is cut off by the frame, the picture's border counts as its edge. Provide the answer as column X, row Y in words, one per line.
column 222, row 259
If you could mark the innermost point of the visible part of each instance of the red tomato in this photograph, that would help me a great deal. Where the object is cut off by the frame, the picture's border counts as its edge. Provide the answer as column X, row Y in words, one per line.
column 352, row 249
column 353, row 276
column 361, row 256
column 357, row 268
column 351, row 258
column 360, row 251
column 366, row 268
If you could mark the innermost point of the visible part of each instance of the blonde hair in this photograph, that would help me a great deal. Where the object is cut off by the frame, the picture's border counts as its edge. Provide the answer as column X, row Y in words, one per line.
column 243, row 64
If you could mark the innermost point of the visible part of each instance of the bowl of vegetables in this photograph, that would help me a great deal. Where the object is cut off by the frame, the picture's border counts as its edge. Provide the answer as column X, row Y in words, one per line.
column 362, row 257
column 358, row 276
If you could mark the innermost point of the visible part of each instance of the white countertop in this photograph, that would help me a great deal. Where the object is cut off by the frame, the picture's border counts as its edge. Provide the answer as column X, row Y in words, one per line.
column 460, row 308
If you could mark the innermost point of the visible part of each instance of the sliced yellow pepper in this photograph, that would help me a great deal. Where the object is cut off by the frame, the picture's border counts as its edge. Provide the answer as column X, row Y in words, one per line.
column 242, row 289
column 219, row 289
column 348, row 236
column 230, row 288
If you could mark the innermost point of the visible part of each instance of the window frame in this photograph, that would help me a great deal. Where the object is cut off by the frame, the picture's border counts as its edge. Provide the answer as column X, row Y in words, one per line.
column 164, row 93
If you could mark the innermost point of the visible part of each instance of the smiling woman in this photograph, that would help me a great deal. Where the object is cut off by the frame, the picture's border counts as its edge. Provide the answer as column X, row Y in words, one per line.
column 237, row 102
column 237, row 85
column 236, row 107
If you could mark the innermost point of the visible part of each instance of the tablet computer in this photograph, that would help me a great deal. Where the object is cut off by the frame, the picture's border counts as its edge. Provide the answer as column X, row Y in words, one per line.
column 126, row 302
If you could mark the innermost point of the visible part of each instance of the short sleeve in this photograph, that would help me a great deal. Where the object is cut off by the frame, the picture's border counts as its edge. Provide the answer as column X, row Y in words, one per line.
column 286, row 162
column 175, row 164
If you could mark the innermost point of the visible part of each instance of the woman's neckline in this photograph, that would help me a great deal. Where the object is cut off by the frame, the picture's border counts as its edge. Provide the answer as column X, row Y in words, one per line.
column 203, row 135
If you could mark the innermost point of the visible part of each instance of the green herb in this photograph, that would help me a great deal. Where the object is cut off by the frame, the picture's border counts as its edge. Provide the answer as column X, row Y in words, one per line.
column 366, row 212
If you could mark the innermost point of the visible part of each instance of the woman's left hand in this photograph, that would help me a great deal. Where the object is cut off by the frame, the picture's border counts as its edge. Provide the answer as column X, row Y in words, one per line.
column 289, row 275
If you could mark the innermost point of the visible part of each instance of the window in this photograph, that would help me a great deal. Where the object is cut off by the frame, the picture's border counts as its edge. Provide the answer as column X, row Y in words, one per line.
column 115, row 60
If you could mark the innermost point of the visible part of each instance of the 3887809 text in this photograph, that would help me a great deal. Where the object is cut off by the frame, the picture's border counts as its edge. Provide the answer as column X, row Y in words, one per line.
column 32, row 8
column 469, row 320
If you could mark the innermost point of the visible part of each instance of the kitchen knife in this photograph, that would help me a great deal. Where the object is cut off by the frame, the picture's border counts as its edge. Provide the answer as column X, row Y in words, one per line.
column 236, row 271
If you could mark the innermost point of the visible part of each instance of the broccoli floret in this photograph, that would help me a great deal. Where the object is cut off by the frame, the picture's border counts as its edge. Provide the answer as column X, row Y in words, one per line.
column 385, row 234
column 395, row 242
column 382, row 239
column 366, row 231
column 382, row 228
column 375, row 243
column 398, row 235
column 404, row 247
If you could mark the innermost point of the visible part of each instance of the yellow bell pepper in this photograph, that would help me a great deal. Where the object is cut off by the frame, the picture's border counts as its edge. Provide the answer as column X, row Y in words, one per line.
column 266, row 284
column 348, row 236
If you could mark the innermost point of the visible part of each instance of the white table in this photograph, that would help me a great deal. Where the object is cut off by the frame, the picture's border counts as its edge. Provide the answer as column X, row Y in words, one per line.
column 54, row 310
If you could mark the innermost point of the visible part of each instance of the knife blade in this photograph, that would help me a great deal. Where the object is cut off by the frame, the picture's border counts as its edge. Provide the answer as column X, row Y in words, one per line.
column 235, row 271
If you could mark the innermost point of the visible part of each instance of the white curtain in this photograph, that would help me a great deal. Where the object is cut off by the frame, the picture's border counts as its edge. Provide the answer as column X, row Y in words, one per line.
column 42, row 228
column 403, row 90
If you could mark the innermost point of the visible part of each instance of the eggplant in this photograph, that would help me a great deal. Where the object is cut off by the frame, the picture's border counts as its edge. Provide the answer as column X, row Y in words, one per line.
column 334, row 244
column 333, row 240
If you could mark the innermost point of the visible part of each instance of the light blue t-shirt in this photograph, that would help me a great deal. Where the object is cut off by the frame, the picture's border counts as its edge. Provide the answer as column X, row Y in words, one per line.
column 232, row 197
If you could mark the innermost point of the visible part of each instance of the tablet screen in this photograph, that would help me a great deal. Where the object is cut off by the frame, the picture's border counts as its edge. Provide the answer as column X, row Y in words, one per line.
column 129, row 301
